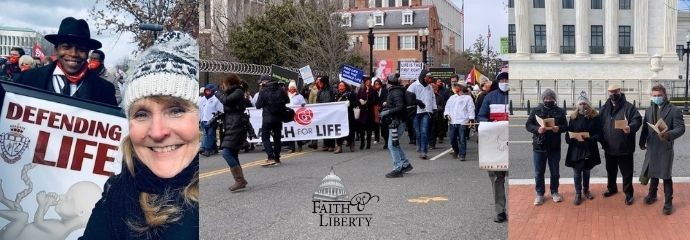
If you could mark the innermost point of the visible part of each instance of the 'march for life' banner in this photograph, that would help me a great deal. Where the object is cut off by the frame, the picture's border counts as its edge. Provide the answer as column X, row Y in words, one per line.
column 313, row 121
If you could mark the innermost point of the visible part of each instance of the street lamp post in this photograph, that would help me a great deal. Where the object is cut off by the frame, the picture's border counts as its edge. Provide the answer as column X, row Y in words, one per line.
column 686, row 51
column 370, row 22
column 423, row 35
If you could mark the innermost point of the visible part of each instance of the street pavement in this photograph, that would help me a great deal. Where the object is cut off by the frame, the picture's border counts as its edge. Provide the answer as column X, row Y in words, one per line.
column 522, row 167
column 440, row 199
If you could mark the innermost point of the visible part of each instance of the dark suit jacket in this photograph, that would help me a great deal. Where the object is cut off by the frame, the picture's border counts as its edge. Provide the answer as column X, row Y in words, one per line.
column 93, row 88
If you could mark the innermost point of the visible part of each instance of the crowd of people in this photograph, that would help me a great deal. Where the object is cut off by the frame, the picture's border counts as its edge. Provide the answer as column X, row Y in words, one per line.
column 613, row 127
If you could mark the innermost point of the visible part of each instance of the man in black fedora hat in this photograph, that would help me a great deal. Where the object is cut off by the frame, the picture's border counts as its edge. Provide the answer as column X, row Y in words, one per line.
column 69, row 74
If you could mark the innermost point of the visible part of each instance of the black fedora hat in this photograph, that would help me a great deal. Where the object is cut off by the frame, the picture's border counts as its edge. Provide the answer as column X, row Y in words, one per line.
column 74, row 31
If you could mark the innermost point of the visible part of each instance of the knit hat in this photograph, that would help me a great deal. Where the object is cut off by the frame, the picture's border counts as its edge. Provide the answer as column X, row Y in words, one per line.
column 583, row 98
column 392, row 79
column 502, row 75
column 168, row 68
column 292, row 84
column 548, row 92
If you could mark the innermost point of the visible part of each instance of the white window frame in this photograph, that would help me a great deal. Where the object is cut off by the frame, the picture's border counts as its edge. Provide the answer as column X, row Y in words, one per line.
column 347, row 19
column 379, row 15
column 413, row 42
column 380, row 43
column 407, row 13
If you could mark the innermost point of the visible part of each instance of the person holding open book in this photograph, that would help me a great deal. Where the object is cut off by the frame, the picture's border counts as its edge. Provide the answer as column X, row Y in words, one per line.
column 546, row 122
column 664, row 125
column 583, row 151
column 620, row 120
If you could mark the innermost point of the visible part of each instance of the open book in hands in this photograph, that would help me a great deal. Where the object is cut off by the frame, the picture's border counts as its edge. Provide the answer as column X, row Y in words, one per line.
column 659, row 127
column 579, row 136
column 547, row 123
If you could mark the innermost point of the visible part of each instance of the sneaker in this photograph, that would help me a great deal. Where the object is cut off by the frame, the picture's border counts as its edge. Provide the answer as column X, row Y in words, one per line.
column 588, row 195
column 269, row 162
column 454, row 155
column 376, row 142
column 539, row 200
column 556, row 197
column 423, row 156
column 462, row 158
column 407, row 169
column 394, row 174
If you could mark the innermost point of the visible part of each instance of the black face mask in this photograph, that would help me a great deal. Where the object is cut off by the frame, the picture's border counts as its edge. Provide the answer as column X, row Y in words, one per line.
column 615, row 97
column 549, row 104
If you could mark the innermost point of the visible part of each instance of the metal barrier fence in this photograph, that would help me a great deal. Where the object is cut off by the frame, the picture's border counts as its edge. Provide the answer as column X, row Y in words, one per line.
column 568, row 90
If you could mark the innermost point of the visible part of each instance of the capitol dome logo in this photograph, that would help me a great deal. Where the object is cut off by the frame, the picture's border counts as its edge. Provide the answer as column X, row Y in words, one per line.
column 335, row 208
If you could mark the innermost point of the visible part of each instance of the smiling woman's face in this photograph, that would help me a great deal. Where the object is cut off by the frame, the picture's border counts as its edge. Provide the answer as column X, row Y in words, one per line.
column 164, row 133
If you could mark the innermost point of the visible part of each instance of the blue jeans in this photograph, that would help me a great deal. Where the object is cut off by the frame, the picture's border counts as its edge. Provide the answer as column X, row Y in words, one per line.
column 421, row 127
column 397, row 154
column 231, row 157
column 540, row 161
column 209, row 137
column 456, row 132
column 581, row 180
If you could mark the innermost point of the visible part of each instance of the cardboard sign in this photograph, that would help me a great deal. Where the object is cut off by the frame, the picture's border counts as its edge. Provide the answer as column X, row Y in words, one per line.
column 410, row 70
column 493, row 146
column 56, row 152
column 351, row 75
column 313, row 121
column 282, row 74
column 307, row 76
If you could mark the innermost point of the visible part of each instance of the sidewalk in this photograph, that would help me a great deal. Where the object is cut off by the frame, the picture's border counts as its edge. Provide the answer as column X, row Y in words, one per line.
column 600, row 218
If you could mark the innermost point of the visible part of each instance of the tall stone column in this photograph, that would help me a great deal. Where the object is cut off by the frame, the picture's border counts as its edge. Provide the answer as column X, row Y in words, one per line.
column 641, row 16
column 553, row 36
column 582, row 33
column 522, row 27
column 670, row 24
column 611, row 27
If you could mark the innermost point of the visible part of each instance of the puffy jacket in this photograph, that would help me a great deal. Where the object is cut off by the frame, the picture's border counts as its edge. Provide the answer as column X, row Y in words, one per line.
column 614, row 141
column 395, row 103
column 233, row 106
column 549, row 140
column 272, row 100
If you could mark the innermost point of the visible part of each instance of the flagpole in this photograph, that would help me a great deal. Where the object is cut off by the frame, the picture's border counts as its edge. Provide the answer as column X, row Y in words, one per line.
column 488, row 46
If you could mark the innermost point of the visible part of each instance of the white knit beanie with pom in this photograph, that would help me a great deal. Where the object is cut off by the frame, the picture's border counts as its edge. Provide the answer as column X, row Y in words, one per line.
column 168, row 68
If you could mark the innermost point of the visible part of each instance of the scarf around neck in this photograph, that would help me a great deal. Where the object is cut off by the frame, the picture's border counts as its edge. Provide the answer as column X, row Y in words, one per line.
column 147, row 181
column 74, row 78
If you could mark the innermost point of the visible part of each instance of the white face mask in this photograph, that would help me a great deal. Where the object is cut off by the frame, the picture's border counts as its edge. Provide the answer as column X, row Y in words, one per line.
column 504, row 86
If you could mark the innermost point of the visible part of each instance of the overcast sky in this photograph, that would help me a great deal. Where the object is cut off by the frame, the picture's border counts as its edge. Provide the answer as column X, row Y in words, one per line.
column 45, row 15
column 479, row 15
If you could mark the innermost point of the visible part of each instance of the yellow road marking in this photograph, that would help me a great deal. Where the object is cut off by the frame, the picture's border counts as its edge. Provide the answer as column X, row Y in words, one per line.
column 428, row 199
column 248, row 165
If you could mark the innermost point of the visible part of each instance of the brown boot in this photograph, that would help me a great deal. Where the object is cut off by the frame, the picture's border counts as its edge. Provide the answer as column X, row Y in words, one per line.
column 240, row 182
column 338, row 149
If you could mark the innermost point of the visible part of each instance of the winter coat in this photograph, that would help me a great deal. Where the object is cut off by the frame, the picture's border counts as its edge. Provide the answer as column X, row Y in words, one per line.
column 366, row 115
column 494, row 97
column 658, row 160
column 549, row 140
column 92, row 88
column 234, row 105
column 351, row 97
column 325, row 95
column 614, row 141
column 395, row 103
column 583, row 155
column 272, row 100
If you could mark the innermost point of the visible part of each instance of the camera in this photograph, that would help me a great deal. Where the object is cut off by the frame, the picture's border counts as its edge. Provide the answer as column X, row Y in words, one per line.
column 394, row 132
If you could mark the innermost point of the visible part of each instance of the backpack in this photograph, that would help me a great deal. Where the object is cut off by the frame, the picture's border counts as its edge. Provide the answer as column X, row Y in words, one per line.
column 410, row 104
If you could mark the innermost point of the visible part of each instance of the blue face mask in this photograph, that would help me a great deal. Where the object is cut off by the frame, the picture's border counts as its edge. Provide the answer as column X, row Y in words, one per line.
column 657, row 100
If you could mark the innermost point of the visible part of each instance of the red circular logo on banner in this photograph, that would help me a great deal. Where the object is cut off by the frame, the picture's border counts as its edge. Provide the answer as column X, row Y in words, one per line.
column 303, row 116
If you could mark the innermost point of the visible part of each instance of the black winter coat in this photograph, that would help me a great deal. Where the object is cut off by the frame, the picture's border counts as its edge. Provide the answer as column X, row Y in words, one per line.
column 583, row 155
column 396, row 103
column 272, row 100
column 234, row 125
column 614, row 141
column 93, row 87
column 549, row 141
column 325, row 95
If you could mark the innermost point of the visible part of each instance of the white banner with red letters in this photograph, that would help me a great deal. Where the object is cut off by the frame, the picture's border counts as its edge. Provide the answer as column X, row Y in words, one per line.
column 54, row 160
column 313, row 121
column 493, row 146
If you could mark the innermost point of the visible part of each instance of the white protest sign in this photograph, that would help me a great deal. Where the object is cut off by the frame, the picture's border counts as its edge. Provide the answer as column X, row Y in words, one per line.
column 307, row 76
column 493, row 146
column 313, row 121
column 54, row 160
column 410, row 70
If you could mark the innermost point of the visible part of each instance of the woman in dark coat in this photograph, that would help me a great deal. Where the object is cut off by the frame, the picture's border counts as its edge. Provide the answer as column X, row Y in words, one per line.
column 344, row 94
column 234, row 105
column 583, row 154
column 366, row 99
